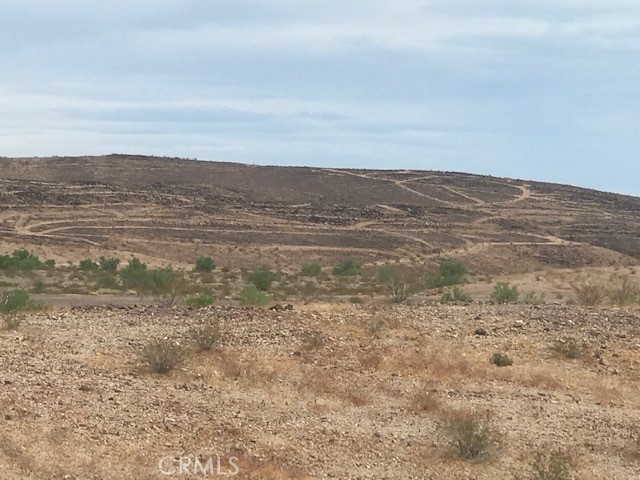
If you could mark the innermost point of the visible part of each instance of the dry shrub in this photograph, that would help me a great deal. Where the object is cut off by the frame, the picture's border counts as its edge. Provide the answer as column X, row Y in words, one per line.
column 267, row 470
column 316, row 382
column 589, row 295
column 625, row 294
column 355, row 397
column 570, row 348
column 370, row 360
column 471, row 435
column 12, row 322
column 205, row 337
column 376, row 326
column 162, row 355
column 437, row 364
column 555, row 465
column 313, row 340
column 229, row 365
column 538, row 380
column 425, row 402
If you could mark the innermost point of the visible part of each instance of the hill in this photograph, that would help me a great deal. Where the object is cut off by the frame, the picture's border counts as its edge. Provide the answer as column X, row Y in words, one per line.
column 169, row 210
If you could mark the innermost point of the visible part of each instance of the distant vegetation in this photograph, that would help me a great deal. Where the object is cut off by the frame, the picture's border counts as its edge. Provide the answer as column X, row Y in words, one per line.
column 15, row 301
column 449, row 273
column 311, row 270
column 23, row 260
column 347, row 268
column 348, row 281
column 262, row 278
column 202, row 300
column 503, row 292
column 205, row 264
column 252, row 295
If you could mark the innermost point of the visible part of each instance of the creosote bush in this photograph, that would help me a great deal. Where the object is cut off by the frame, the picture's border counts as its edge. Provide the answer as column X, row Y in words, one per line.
column 449, row 273
column 262, row 277
column 311, row 270
column 347, row 268
column 88, row 265
column 162, row 355
column 21, row 260
column 471, row 435
column 251, row 295
column 109, row 264
column 503, row 292
column 15, row 301
column 205, row 264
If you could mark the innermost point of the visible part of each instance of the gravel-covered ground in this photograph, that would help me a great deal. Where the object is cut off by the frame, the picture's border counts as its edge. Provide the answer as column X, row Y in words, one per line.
column 323, row 391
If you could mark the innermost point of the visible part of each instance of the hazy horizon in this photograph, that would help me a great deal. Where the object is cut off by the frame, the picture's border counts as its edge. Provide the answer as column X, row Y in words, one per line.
column 542, row 90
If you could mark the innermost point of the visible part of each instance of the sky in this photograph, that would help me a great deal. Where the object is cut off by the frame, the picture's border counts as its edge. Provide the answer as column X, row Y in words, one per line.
column 531, row 89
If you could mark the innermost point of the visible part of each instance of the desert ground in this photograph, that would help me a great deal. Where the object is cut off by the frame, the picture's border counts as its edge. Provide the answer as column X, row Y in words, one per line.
column 323, row 391
column 328, row 377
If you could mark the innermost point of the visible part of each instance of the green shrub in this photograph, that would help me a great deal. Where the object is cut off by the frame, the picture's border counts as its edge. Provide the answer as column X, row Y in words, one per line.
column 108, row 281
column 388, row 272
column 449, row 273
column 111, row 264
column 311, row 270
column 21, row 260
column 202, row 300
column 88, row 265
column 205, row 264
column 162, row 279
column 162, row 355
column 262, row 277
column 50, row 263
column 136, row 276
column 38, row 286
column 251, row 295
column 347, row 268
column 501, row 360
column 455, row 295
column 503, row 292
column 15, row 301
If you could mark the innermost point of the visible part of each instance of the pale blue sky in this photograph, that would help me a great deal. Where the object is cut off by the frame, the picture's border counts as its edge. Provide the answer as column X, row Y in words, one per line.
column 535, row 89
